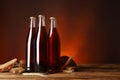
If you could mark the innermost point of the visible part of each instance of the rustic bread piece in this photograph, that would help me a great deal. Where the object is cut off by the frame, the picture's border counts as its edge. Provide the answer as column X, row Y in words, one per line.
column 8, row 65
column 17, row 70
column 66, row 61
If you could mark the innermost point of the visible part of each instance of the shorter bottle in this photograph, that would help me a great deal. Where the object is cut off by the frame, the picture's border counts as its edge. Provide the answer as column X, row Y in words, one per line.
column 41, row 43
column 53, row 47
column 31, row 46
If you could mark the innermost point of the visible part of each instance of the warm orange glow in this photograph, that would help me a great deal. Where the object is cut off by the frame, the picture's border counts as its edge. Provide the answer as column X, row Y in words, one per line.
column 74, row 41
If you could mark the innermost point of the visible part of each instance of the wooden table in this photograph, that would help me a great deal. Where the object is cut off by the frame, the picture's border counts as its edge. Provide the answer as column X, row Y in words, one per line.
column 85, row 72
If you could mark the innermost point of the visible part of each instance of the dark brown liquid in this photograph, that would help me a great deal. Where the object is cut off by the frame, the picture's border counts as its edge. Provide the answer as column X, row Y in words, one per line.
column 31, row 51
column 42, row 66
column 54, row 51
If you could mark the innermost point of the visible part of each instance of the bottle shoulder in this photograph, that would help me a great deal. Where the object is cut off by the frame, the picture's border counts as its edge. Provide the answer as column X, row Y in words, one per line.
column 53, row 34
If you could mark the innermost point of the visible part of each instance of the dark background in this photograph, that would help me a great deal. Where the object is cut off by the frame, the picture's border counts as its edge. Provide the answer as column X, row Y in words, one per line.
column 89, row 29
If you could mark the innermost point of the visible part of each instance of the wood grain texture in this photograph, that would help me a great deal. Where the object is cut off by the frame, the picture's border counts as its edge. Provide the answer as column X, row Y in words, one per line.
column 85, row 72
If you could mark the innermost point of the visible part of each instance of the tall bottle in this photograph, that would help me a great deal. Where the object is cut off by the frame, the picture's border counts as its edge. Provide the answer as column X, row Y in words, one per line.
column 53, row 47
column 41, row 55
column 31, row 46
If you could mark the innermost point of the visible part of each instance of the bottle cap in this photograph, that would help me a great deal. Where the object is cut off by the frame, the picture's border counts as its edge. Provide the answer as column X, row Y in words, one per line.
column 32, row 22
column 53, row 22
column 42, row 20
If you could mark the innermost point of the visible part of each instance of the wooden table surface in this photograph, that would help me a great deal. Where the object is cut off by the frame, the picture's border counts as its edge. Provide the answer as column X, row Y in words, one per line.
column 85, row 72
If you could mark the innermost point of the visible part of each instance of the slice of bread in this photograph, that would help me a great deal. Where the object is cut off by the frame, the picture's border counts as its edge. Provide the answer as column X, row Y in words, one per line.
column 8, row 65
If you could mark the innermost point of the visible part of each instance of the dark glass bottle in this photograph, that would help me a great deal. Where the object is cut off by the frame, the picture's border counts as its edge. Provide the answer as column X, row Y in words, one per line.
column 41, row 55
column 31, row 46
column 53, row 47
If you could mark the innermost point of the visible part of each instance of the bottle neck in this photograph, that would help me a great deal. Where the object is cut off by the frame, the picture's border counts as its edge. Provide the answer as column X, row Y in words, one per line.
column 41, row 21
column 52, row 24
column 32, row 22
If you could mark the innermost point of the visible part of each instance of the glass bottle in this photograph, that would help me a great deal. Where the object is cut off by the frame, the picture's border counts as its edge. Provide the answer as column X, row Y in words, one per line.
column 53, row 47
column 31, row 46
column 41, row 55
